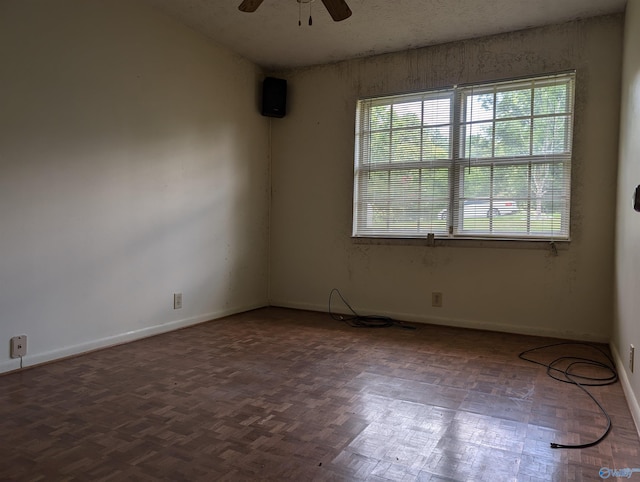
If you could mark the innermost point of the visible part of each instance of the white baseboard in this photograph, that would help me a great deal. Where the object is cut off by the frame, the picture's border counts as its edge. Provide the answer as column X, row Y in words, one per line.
column 458, row 323
column 67, row 351
column 632, row 401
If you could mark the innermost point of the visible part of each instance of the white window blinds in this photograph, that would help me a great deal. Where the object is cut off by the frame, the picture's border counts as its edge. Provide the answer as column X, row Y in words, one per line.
column 488, row 161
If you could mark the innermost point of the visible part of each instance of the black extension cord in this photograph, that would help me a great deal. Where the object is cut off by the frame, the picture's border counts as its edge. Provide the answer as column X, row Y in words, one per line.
column 359, row 321
column 568, row 375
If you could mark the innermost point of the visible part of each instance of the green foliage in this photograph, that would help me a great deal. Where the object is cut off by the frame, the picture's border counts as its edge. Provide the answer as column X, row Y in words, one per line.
column 410, row 132
column 506, row 135
column 512, row 125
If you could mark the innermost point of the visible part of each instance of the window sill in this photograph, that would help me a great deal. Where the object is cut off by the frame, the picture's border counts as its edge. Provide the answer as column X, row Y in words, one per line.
column 503, row 243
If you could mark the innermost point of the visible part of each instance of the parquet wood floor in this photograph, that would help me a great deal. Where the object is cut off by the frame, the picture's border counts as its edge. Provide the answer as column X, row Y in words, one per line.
column 278, row 394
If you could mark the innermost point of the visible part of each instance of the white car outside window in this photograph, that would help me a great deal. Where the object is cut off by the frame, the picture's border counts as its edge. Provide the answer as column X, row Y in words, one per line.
column 484, row 209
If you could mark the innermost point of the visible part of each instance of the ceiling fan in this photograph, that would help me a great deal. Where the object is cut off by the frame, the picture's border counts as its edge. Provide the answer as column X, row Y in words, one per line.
column 338, row 9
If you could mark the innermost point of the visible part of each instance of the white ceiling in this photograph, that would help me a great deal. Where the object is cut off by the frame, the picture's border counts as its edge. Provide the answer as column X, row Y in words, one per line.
column 272, row 38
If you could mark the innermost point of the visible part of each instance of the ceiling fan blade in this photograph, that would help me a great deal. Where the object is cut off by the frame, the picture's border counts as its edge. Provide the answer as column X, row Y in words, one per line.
column 338, row 9
column 249, row 5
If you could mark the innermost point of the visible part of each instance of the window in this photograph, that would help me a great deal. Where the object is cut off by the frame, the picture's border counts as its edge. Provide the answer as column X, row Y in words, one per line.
column 479, row 161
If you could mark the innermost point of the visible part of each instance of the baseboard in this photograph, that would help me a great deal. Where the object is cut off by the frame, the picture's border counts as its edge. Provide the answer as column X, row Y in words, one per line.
column 458, row 323
column 632, row 401
column 46, row 357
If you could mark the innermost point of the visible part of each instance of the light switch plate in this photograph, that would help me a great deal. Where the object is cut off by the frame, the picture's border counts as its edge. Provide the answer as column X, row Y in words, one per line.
column 177, row 301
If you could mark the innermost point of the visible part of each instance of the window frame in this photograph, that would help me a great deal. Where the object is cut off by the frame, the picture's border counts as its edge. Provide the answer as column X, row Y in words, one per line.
column 454, row 163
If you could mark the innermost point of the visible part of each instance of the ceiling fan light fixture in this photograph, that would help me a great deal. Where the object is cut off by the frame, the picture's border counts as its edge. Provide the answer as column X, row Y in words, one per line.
column 300, row 3
column 338, row 9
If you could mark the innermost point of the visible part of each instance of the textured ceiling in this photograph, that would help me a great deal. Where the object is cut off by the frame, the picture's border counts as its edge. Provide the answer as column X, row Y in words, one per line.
column 272, row 38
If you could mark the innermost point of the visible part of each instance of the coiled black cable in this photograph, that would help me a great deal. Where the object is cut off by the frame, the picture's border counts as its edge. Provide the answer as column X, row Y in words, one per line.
column 568, row 375
column 367, row 321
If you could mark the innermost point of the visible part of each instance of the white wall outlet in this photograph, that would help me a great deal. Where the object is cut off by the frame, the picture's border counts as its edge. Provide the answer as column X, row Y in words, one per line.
column 436, row 299
column 632, row 350
column 18, row 346
column 177, row 301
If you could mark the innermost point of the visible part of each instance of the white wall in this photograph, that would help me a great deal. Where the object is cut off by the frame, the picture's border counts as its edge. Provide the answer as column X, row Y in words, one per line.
column 510, row 289
column 133, row 164
column 626, row 329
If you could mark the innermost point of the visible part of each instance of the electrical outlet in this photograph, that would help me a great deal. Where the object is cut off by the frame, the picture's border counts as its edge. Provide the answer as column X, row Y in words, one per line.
column 436, row 299
column 177, row 301
column 632, row 350
column 18, row 346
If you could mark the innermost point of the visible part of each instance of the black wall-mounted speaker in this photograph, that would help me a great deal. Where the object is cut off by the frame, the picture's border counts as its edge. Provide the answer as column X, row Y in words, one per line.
column 274, row 97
